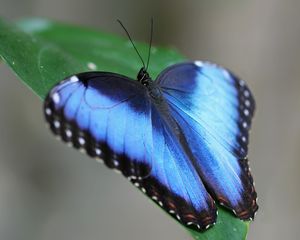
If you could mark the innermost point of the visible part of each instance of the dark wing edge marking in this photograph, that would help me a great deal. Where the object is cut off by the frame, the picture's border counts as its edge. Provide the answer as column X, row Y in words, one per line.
column 247, row 107
column 175, row 206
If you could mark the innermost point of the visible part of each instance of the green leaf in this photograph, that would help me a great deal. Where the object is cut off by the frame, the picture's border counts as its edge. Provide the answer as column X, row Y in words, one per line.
column 43, row 52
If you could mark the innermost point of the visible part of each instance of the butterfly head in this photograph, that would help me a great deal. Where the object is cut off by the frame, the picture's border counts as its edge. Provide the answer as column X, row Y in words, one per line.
column 143, row 77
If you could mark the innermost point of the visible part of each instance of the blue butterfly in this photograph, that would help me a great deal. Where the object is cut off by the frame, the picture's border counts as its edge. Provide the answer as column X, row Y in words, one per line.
column 181, row 139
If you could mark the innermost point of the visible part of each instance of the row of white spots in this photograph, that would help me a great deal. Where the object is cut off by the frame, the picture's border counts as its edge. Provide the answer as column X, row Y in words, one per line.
column 69, row 133
column 247, row 104
column 81, row 139
column 55, row 96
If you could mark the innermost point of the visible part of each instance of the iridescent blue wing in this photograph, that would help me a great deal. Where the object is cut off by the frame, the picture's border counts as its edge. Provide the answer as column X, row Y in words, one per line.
column 214, row 110
column 113, row 118
column 174, row 183
column 107, row 115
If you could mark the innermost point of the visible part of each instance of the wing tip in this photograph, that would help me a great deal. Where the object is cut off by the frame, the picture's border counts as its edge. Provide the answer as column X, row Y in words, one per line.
column 247, row 207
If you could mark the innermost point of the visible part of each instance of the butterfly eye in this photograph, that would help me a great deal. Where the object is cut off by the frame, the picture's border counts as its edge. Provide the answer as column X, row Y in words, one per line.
column 143, row 76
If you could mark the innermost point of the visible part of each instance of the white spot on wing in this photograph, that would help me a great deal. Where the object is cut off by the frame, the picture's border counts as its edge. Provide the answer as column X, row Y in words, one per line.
column 246, row 93
column 81, row 140
column 56, row 98
column 242, row 83
column 247, row 103
column 246, row 112
column 74, row 79
column 56, row 124
column 116, row 163
column 97, row 151
column 68, row 133
column 154, row 198
column 199, row 63
column 48, row 111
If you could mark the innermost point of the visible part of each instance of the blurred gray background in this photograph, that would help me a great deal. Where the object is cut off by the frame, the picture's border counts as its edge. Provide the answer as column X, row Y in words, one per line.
column 49, row 191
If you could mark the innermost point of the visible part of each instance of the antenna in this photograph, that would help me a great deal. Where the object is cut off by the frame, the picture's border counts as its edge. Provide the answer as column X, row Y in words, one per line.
column 150, row 43
column 131, row 41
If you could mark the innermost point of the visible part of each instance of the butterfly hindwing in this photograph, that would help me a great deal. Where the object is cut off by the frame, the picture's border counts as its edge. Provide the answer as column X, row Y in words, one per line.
column 214, row 110
column 173, row 183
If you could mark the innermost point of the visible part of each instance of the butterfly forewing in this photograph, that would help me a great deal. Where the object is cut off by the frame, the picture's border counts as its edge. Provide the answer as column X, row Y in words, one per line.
column 91, row 112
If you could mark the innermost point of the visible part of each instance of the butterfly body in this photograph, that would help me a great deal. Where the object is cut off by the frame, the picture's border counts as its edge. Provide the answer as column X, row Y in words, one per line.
column 182, row 139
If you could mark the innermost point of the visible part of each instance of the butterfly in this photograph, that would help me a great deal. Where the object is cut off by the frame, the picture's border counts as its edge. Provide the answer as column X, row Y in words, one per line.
column 181, row 139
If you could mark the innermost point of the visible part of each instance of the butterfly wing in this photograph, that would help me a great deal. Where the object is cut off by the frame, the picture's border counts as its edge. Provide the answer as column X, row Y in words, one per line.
column 112, row 117
column 214, row 110
column 104, row 114
column 174, row 184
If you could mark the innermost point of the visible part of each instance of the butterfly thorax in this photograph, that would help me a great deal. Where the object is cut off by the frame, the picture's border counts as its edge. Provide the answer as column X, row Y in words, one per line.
column 144, row 78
